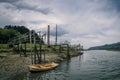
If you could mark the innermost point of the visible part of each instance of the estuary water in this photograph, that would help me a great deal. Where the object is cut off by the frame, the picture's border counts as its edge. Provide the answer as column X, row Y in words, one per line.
column 92, row 65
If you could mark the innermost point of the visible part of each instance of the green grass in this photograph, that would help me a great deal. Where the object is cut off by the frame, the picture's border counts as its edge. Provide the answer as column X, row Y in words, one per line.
column 4, row 46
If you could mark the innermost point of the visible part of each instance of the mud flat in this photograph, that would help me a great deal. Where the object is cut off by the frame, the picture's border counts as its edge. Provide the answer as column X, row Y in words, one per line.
column 12, row 64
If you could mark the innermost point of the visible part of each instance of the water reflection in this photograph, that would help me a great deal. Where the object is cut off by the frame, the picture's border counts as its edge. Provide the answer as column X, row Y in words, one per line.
column 60, row 73
column 92, row 65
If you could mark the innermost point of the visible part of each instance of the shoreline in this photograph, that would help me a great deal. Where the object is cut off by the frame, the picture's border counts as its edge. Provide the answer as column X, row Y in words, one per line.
column 13, row 64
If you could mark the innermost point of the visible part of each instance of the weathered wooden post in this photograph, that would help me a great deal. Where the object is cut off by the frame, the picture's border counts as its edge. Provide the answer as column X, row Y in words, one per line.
column 25, row 50
column 40, row 47
column 21, row 50
column 68, row 52
column 60, row 49
column 18, row 48
column 44, row 56
column 19, row 45
column 48, row 36
column 56, row 35
column 34, row 48
column 40, row 52
column 30, row 36
column 34, row 54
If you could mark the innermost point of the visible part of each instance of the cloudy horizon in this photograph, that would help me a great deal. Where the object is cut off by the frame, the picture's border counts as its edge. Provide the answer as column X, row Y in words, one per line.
column 88, row 22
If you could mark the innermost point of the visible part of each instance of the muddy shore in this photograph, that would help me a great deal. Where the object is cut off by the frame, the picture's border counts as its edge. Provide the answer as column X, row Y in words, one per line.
column 12, row 64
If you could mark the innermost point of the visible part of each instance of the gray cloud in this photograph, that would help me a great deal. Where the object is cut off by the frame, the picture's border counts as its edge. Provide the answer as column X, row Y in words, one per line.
column 60, row 31
column 20, row 5
column 7, row 21
column 7, row 0
column 36, row 6
column 91, row 22
column 41, row 10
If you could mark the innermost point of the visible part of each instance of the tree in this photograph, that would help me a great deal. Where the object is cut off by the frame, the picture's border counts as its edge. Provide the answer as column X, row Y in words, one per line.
column 6, row 34
column 21, row 29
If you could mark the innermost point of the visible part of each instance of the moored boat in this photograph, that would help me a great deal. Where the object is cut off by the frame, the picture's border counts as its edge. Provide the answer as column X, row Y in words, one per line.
column 42, row 67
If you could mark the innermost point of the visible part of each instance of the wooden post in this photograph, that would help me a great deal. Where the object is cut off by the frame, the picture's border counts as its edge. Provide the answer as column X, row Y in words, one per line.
column 31, row 47
column 34, row 54
column 45, row 37
column 40, row 46
column 44, row 56
column 19, row 44
column 37, row 55
column 48, row 36
column 25, row 50
column 79, row 48
column 34, row 39
column 40, row 52
column 60, row 48
column 21, row 50
column 18, row 48
column 34, row 49
column 56, row 35
column 68, row 53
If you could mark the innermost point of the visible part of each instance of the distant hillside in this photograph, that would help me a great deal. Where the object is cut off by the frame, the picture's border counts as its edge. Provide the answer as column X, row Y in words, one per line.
column 114, row 46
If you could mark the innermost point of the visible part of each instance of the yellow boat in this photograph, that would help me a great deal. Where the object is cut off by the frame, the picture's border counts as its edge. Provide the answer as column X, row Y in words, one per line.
column 42, row 67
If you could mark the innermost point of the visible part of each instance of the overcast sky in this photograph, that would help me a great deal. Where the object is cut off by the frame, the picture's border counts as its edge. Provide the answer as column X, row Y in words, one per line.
column 89, row 22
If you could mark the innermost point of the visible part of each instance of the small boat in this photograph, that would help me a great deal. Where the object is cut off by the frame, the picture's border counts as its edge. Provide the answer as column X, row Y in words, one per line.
column 42, row 67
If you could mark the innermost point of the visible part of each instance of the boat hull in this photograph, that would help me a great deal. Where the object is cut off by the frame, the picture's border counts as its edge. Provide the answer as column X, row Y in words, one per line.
column 42, row 67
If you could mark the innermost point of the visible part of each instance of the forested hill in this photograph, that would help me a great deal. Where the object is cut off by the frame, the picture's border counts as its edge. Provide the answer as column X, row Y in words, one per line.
column 114, row 46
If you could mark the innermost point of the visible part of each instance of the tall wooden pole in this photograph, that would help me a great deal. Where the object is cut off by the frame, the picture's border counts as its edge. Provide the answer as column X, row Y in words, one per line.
column 48, row 36
column 19, row 46
column 31, row 47
column 68, row 53
column 34, row 48
column 56, row 35
column 40, row 46
column 34, row 39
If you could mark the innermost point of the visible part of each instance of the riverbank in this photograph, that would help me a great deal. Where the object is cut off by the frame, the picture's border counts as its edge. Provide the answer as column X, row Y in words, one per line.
column 12, row 64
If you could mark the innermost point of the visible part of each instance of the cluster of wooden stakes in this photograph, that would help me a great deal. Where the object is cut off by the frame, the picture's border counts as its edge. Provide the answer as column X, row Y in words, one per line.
column 35, row 41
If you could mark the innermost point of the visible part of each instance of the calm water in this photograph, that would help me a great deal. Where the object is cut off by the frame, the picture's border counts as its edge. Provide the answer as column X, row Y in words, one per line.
column 92, row 65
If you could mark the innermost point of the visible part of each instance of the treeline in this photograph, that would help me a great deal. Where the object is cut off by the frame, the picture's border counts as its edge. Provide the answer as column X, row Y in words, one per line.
column 11, row 31
column 114, row 46
column 20, row 29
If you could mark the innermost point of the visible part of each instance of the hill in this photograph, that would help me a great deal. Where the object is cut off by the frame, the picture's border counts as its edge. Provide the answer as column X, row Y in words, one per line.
column 114, row 46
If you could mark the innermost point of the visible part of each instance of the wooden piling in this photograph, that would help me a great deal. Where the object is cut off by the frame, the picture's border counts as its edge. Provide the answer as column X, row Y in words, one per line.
column 48, row 36
column 25, row 50
column 56, row 35
column 68, row 52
